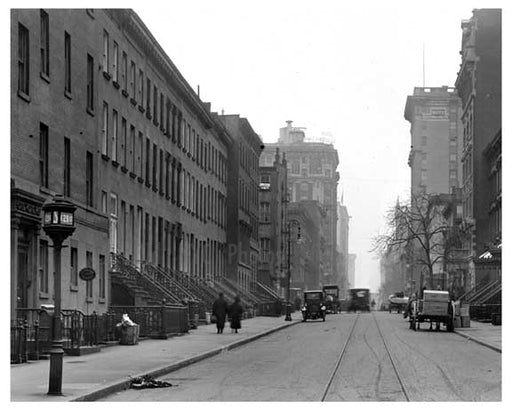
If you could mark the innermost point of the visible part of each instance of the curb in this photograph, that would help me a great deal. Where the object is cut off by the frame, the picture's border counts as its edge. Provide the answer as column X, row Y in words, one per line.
column 125, row 384
column 479, row 341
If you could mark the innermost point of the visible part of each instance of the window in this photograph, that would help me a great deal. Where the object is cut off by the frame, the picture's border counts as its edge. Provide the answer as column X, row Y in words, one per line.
column 103, row 202
column 155, row 103
column 141, row 87
column 155, row 153
column 140, row 158
column 132, row 148
column 43, row 155
column 88, row 263
column 295, row 168
column 123, row 140
column 148, row 96
column 89, row 179
column 114, row 136
column 104, row 130
column 90, row 83
column 45, row 43
column 424, row 140
column 115, row 65
column 265, row 211
column 148, row 156
column 161, row 178
column 67, row 167
column 43, row 266
column 105, row 52
column 101, row 277
column 161, row 110
column 23, row 60
column 133, row 84
column 73, row 264
column 125, row 72
column 113, row 223
column 265, row 249
column 67, row 62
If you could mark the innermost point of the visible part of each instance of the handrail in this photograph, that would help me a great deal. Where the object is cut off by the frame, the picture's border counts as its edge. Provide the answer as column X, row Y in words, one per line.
column 160, row 276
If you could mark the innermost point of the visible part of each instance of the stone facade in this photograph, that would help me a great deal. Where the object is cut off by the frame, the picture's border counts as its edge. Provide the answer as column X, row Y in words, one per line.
column 272, row 219
column 478, row 84
column 312, row 176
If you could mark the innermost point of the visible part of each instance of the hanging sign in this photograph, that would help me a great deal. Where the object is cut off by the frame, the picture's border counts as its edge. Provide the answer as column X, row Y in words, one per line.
column 87, row 274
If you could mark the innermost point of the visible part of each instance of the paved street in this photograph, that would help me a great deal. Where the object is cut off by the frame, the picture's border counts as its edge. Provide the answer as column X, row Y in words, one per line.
column 296, row 364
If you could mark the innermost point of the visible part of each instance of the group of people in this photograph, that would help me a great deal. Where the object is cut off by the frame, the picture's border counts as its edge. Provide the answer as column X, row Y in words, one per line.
column 221, row 309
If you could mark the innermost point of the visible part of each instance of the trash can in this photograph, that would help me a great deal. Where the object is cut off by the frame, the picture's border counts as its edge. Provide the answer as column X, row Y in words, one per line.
column 129, row 335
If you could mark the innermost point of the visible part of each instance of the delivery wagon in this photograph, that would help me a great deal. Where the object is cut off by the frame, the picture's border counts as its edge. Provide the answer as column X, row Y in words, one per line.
column 435, row 308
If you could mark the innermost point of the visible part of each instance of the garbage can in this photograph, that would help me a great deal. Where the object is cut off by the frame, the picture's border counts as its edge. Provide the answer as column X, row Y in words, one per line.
column 129, row 335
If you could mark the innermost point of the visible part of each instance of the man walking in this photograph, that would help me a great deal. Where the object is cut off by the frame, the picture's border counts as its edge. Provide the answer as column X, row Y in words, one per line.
column 220, row 310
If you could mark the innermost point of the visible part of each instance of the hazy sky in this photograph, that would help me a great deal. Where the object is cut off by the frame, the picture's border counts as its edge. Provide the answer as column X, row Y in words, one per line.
column 343, row 68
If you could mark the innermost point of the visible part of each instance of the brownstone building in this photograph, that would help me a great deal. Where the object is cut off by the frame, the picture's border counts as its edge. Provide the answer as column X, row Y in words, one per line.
column 242, row 202
column 100, row 114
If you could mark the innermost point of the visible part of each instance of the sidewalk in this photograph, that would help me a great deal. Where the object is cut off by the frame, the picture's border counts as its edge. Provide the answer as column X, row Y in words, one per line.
column 485, row 334
column 90, row 377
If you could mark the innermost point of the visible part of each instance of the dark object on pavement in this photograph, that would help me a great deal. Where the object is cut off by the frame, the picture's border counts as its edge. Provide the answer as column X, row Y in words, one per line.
column 235, row 314
column 219, row 312
column 359, row 300
column 147, row 382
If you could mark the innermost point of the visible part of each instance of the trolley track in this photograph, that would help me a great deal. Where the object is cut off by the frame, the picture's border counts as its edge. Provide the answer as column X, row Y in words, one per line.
column 337, row 367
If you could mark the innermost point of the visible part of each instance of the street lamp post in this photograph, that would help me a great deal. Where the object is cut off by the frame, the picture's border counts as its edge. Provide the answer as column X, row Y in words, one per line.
column 58, row 223
column 288, row 316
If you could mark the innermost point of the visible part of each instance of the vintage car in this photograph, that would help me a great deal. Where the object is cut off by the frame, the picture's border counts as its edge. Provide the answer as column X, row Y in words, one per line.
column 314, row 307
column 359, row 300
column 332, row 303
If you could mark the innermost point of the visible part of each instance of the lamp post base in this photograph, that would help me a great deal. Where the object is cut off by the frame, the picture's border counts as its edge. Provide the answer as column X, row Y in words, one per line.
column 56, row 359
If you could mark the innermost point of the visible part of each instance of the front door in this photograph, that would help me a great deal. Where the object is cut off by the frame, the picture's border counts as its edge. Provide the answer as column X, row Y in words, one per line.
column 23, row 282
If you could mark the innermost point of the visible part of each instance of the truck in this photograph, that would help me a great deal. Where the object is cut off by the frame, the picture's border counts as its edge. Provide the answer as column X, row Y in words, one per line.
column 435, row 307
column 397, row 301
column 332, row 298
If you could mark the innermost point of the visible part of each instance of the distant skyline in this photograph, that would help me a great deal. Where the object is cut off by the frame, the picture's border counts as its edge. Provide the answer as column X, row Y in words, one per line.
column 331, row 67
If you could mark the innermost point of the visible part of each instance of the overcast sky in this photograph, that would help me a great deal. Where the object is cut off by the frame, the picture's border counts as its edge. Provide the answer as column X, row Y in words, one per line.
column 343, row 68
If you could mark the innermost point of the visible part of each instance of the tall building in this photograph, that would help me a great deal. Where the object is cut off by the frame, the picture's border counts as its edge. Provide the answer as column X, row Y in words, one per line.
column 436, row 139
column 243, row 201
column 342, row 246
column 352, row 270
column 312, row 176
column 100, row 114
column 479, row 87
column 272, row 219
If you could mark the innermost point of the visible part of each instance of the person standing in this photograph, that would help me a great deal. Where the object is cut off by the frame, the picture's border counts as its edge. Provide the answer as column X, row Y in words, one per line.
column 220, row 310
column 235, row 312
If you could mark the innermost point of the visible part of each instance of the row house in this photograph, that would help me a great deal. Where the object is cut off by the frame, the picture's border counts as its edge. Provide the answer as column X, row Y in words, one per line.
column 100, row 114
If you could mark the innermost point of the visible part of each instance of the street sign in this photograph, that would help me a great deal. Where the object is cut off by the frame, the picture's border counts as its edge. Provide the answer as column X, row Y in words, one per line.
column 87, row 274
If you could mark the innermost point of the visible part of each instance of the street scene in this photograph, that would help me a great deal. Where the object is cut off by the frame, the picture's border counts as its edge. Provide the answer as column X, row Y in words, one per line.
column 295, row 203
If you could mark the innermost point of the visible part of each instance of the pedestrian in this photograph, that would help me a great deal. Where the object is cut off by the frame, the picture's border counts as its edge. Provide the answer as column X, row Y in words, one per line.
column 220, row 310
column 235, row 313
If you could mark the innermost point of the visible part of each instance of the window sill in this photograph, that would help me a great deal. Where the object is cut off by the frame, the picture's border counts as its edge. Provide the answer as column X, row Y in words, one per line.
column 148, row 184
column 141, row 180
column 116, row 84
column 88, row 299
column 115, row 163
column 101, row 300
column 124, row 169
column 23, row 96
column 105, row 157
column 45, row 77
column 132, row 175
column 68, row 94
column 45, row 190
column 133, row 101
column 90, row 111
column 107, row 76
column 141, row 109
column 155, row 189
column 125, row 93
column 73, row 288
column 44, row 295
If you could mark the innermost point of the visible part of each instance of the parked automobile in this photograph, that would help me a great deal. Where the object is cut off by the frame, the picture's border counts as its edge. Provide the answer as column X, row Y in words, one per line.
column 359, row 300
column 314, row 307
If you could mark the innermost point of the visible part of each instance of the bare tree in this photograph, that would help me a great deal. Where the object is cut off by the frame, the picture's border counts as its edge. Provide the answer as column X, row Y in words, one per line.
column 419, row 225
